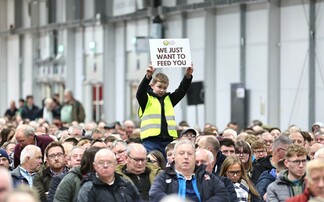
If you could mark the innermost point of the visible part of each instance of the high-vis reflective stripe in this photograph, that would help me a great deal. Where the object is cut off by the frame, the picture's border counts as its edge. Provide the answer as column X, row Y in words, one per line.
column 151, row 118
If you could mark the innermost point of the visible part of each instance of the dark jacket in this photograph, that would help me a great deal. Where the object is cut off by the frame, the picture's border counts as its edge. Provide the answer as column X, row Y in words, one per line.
column 41, row 183
column 229, row 187
column 69, row 187
column 304, row 197
column 175, row 98
column 11, row 113
column 265, row 179
column 261, row 166
column 41, row 141
column 30, row 114
column 17, row 178
column 220, row 157
column 143, row 181
column 53, row 186
column 209, row 186
column 96, row 191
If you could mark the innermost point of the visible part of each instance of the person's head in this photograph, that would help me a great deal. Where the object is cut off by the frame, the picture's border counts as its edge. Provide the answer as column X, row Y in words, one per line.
column 233, row 168
column 71, row 140
column 29, row 100
column 75, row 156
column 119, row 147
column 160, row 84
column 97, row 134
column 259, row 149
column 295, row 161
column 319, row 154
column 184, row 156
column 129, row 127
column 169, row 151
column 87, row 160
column 189, row 134
column 156, row 157
column 75, row 131
column 297, row 138
column 279, row 148
column 21, row 102
column 313, row 149
column 205, row 157
column 31, row 158
column 227, row 146
column 315, row 177
column 85, row 143
column 55, row 156
column 68, row 95
column 268, row 140
column 4, row 159
column 244, row 152
column 5, row 183
column 230, row 133
column 210, row 143
column 6, row 134
column 319, row 136
column 105, row 164
column 99, row 143
column 25, row 135
column 23, row 193
column 136, row 158
column 275, row 132
column 9, row 147
column 233, row 125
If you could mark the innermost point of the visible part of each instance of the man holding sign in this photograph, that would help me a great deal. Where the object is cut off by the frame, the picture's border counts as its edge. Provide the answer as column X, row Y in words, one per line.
column 158, row 127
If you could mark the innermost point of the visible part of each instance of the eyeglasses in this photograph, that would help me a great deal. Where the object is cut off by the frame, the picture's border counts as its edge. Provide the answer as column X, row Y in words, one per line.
column 119, row 152
column 59, row 155
column 242, row 154
column 189, row 135
column 137, row 160
column 259, row 151
column 232, row 172
column 104, row 163
column 151, row 160
column 298, row 162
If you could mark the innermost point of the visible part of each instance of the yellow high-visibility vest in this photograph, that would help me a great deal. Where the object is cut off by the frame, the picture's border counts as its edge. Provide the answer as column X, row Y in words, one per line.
column 151, row 118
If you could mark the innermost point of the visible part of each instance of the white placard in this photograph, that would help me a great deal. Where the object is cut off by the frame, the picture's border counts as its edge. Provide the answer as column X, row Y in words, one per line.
column 166, row 53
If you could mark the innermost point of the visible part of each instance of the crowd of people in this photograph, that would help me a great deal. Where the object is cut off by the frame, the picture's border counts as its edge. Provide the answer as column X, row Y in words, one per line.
column 50, row 154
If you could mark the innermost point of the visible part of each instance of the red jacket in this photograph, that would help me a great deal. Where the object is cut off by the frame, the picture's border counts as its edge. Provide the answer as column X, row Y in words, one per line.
column 304, row 197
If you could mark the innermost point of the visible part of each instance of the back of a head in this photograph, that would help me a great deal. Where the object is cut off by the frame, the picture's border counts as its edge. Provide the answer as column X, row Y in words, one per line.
column 87, row 159
column 319, row 154
column 213, row 142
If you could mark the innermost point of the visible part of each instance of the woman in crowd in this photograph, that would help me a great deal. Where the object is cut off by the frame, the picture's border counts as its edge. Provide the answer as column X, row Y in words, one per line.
column 244, row 152
column 233, row 168
column 156, row 158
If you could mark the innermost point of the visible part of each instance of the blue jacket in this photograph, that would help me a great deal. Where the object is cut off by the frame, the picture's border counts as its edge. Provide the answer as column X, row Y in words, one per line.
column 209, row 186
column 17, row 177
column 265, row 179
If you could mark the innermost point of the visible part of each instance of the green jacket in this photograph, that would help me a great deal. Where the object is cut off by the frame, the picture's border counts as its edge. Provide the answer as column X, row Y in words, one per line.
column 41, row 183
column 69, row 187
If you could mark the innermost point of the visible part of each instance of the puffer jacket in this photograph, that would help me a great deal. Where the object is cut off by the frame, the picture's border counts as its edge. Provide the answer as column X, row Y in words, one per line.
column 265, row 179
column 281, row 189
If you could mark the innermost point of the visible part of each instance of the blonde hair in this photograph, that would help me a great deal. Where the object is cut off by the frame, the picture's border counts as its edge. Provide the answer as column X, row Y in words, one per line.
column 314, row 164
column 231, row 160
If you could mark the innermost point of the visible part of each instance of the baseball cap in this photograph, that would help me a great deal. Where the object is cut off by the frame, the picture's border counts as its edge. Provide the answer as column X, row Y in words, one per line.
column 193, row 131
column 3, row 153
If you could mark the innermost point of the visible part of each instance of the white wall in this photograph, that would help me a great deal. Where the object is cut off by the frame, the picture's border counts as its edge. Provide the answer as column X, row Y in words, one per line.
column 294, row 65
column 227, row 61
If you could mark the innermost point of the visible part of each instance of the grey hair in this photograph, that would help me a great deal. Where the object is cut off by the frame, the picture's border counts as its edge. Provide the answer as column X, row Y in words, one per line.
column 28, row 151
column 210, row 156
column 68, row 91
column 281, row 140
column 319, row 154
column 73, row 128
column 134, row 147
column 26, row 129
column 182, row 142
column 105, row 151
column 231, row 132
column 115, row 143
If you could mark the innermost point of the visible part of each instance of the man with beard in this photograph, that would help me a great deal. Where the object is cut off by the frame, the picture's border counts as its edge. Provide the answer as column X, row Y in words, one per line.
column 55, row 160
